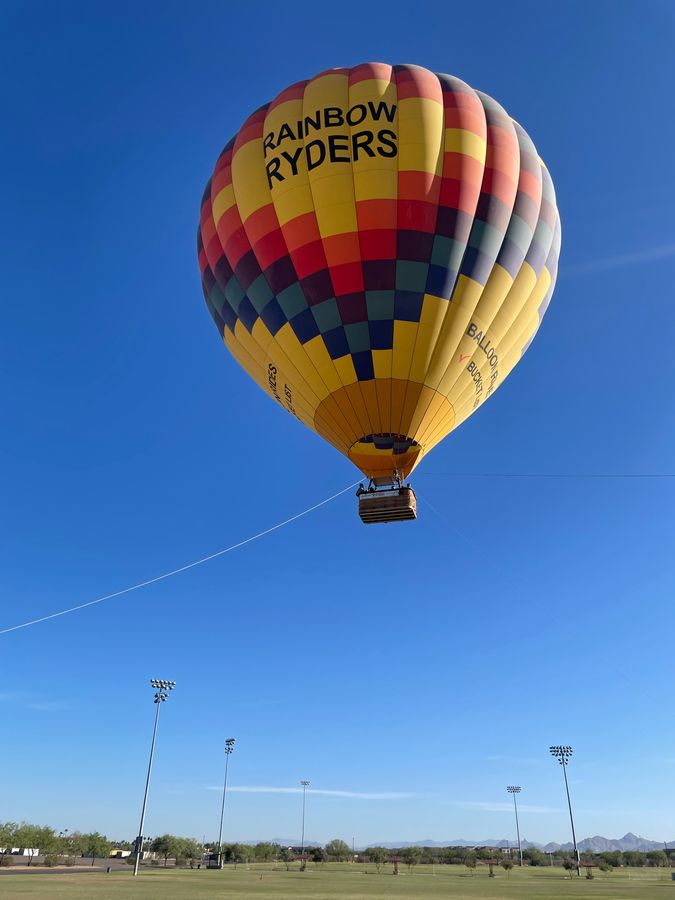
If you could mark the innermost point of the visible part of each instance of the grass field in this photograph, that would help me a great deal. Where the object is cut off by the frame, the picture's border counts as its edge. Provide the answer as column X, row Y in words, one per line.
column 335, row 882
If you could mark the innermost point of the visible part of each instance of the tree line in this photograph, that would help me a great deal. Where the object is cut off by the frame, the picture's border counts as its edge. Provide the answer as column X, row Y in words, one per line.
column 338, row 851
column 54, row 848
column 532, row 856
column 64, row 848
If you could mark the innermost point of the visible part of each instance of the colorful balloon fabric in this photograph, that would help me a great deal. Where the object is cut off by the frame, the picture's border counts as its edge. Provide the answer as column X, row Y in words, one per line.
column 378, row 246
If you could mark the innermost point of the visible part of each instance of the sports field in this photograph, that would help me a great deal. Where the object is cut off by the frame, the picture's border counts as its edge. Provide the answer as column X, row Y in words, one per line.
column 335, row 882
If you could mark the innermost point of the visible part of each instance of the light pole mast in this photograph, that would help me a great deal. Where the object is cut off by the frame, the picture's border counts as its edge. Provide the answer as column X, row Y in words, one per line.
column 515, row 789
column 229, row 747
column 305, row 785
column 162, row 689
column 563, row 752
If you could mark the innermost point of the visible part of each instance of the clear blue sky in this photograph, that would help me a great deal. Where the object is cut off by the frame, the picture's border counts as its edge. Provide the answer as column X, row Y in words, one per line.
column 435, row 660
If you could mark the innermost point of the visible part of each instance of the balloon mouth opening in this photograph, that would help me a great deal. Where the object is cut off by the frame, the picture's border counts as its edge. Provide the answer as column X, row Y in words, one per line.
column 393, row 455
column 393, row 443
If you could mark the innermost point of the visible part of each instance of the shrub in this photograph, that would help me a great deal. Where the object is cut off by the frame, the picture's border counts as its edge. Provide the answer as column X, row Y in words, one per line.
column 605, row 866
column 154, row 862
column 130, row 860
column 569, row 865
column 69, row 861
column 51, row 860
column 6, row 861
column 181, row 861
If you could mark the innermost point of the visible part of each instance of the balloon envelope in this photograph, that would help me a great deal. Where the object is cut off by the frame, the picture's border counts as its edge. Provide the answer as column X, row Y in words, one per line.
column 378, row 246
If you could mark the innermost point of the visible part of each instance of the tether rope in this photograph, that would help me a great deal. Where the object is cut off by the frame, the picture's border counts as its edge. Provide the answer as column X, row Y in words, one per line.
column 165, row 575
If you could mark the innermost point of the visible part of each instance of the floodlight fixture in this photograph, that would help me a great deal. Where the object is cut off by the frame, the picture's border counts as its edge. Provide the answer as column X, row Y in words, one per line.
column 305, row 785
column 162, row 689
column 515, row 789
column 563, row 753
column 229, row 747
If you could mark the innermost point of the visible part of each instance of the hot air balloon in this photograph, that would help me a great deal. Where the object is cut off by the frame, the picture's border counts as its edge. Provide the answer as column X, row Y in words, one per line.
column 378, row 246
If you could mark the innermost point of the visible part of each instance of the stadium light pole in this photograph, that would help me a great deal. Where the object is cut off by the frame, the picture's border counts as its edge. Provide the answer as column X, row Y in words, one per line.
column 305, row 785
column 515, row 789
column 229, row 747
column 162, row 690
column 563, row 752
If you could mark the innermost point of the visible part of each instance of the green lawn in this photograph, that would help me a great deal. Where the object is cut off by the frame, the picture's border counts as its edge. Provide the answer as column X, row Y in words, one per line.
column 334, row 882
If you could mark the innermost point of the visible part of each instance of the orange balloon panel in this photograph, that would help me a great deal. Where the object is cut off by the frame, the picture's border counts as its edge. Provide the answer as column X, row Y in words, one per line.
column 378, row 246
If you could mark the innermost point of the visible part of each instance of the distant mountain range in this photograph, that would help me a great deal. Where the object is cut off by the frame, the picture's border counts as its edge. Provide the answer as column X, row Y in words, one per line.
column 288, row 842
column 596, row 844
